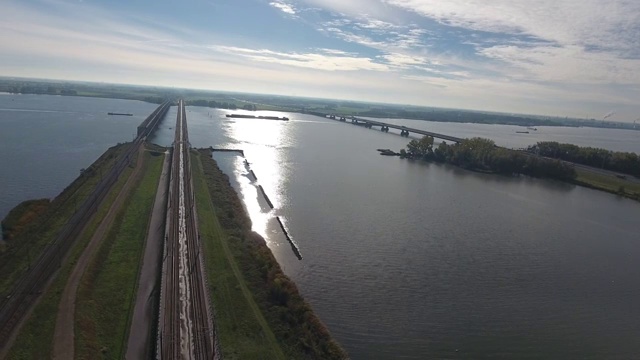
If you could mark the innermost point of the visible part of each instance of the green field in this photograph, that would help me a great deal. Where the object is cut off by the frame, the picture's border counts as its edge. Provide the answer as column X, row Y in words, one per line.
column 258, row 308
column 27, row 245
column 107, row 291
column 608, row 183
column 34, row 341
column 243, row 332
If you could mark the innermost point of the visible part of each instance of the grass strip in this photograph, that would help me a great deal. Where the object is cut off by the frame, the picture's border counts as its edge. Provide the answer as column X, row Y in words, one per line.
column 35, row 340
column 608, row 183
column 298, row 332
column 243, row 333
column 107, row 291
column 32, row 239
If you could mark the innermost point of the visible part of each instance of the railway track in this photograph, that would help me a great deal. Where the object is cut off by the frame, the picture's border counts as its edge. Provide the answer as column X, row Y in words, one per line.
column 185, row 329
column 29, row 287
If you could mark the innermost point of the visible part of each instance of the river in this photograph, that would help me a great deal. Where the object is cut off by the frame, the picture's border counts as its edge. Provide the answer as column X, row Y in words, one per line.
column 45, row 140
column 410, row 260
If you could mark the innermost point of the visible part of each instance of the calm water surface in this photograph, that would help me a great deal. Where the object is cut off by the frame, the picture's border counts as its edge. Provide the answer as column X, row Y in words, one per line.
column 45, row 140
column 412, row 260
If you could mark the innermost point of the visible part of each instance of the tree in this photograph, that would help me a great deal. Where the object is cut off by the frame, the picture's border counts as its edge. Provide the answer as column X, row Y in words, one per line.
column 442, row 152
column 422, row 148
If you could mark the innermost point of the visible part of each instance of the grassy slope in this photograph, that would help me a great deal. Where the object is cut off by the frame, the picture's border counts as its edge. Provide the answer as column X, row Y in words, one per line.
column 30, row 242
column 243, row 332
column 298, row 331
column 35, row 339
column 107, row 291
column 608, row 183
column 21, row 216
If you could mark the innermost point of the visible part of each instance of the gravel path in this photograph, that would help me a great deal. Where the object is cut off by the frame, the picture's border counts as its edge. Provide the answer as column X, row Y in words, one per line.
column 141, row 340
column 63, row 337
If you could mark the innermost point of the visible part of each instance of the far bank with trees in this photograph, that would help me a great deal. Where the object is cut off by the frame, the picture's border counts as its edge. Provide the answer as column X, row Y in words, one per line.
column 483, row 155
column 544, row 160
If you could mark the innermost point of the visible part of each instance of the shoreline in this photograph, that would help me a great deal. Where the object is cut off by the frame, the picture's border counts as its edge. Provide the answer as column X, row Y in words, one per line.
column 300, row 334
column 153, row 99
column 635, row 196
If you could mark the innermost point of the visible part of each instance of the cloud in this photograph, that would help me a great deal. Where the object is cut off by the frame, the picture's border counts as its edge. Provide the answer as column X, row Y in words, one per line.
column 335, row 52
column 403, row 61
column 356, row 8
column 587, row 22
column 520, row 66
column 331, row 60
column 376, row 24
column 284, row 7
column 571, row 63
column 375, row 33
column 354, row 38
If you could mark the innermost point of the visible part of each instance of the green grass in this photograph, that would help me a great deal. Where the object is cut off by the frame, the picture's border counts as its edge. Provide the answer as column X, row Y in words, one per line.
column 243, row 332
column 31, row 241
column 106, row 295
column 35, row 339
column 273, row 297
column 608, row 183
column 21, row 216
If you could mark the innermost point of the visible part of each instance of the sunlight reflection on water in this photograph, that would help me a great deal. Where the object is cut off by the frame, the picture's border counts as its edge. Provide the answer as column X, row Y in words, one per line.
column 440, row 254
column 261, row 141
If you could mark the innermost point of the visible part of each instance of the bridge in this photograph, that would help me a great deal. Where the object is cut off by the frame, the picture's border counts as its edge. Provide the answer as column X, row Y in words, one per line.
column 149, row 125
column 404, row 131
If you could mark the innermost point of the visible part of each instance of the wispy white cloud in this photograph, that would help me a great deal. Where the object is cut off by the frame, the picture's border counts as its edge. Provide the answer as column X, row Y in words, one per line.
column 331, row 60
column 402, row 60
column 533, row 65
column 375, row 33
column 586, row 22
column 376, row 24
column 284, row 7
column 589, row 41
column 355, row 8
column 571, row 63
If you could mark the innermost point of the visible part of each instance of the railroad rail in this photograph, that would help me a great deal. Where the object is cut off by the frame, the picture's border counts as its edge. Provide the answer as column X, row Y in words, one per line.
column 185, row 329
column 28, row 288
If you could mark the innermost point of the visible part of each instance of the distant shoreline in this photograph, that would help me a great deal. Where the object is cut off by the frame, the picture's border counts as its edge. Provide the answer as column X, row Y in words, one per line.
column 155, row 95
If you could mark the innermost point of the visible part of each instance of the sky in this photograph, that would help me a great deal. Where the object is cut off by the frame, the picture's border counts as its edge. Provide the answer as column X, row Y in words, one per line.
column 576, row 58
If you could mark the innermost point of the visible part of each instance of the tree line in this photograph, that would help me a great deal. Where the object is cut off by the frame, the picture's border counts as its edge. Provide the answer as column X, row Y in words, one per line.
column 622, row 162
column 483, row 155
column 212, row 104
column 41, row 90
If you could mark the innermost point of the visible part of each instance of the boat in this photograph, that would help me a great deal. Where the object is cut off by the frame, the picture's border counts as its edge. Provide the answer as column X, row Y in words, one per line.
column 522, row 132
column 119, row 114
column 241, row 116
column 387, row 152
column 532, row 128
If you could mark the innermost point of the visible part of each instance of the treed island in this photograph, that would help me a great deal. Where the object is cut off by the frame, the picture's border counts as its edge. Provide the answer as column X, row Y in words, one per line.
column 584, row 166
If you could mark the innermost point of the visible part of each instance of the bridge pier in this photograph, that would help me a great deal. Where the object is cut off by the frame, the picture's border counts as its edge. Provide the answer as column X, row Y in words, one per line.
column 404, row 133
column 384, row 128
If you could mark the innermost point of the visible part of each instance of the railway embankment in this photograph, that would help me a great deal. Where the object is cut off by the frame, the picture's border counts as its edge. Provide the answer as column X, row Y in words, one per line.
column 258, row 309
column 34, row 338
